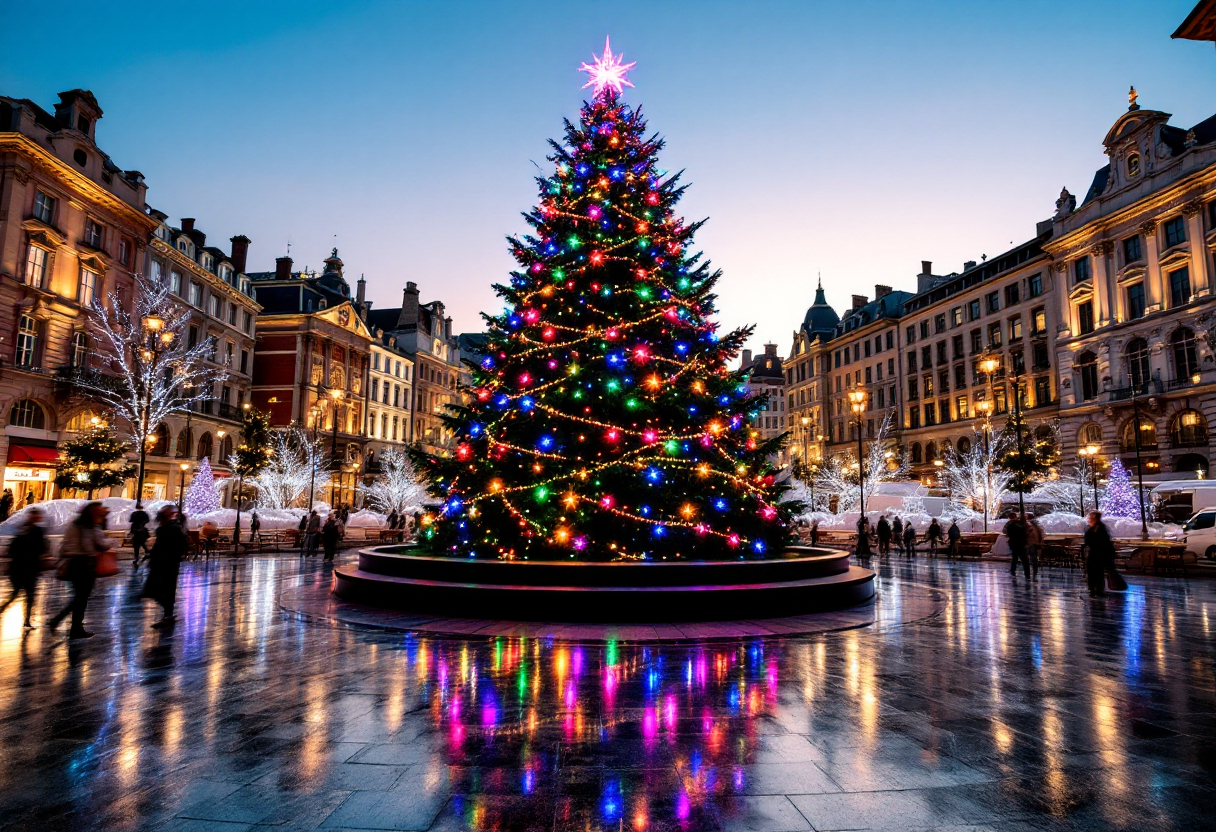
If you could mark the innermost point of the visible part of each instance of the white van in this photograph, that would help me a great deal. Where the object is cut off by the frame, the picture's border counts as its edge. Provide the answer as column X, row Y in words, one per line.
column 1201, row 534
column 1175, row 501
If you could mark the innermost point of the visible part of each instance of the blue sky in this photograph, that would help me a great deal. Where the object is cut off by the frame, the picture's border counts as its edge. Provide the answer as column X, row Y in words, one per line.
column 851, row 139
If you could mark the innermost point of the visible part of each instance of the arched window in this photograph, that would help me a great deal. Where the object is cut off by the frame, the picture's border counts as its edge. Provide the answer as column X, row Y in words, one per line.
column 337, row 378
column 159, row 446
column 930, row 451
column 82, row 420
column 185, row 440
column 916, row 455
column 964, row 445
column 1137, row 361
column 1133, row 165
column 1091, row 434
column 1087, row 369
column 945, row 448
column 206, row 446
column 1148, row 435
column 225, row 449
column 27, row 413
column 1182, row 348
column 80, row 349
column 1189, row 429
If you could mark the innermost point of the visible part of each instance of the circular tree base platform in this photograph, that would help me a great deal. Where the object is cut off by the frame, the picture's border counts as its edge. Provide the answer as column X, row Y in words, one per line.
column 802, row 580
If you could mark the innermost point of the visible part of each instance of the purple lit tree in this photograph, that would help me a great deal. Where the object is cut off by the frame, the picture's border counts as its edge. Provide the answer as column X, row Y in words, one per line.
column 202, row 495
column 1120, row 497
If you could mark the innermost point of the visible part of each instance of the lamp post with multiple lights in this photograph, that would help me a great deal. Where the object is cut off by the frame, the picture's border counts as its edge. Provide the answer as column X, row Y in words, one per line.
column 157, row 338
column 857, row 403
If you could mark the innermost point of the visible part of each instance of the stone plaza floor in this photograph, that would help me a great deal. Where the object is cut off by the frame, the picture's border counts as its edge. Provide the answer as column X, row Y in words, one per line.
column 1011, row 707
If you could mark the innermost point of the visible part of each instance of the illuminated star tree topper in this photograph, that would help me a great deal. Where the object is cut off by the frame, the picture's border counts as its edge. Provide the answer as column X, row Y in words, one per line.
column 607, row 74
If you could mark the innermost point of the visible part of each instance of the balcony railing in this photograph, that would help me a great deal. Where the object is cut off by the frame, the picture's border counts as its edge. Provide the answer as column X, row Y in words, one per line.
column 1179, row 383
column 1124, row 393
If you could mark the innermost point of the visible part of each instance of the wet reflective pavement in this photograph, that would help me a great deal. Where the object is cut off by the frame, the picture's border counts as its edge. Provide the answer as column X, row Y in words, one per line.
column 1014, row 708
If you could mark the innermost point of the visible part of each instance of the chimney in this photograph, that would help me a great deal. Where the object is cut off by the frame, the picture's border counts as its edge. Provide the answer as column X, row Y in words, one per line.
column 926, row 267
column 770, row 350
column 282, row 268
column 187, row 224
column 240, row 252
column 361, row 290
column 747, row 359
column 859, row 301
column 970, row 264
column 881, row 291
column 409, row 306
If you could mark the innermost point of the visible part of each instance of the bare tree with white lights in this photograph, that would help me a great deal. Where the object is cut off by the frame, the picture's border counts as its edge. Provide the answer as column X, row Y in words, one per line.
column 398, row 488
column 296, row 461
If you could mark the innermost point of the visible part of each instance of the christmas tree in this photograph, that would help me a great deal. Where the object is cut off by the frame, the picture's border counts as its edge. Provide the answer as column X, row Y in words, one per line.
column 602, row 422
column 1120, row 497
column 202, row 496
column 95, row 459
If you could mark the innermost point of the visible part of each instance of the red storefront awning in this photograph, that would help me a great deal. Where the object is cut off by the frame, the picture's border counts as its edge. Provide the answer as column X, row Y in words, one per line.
column 37, row 454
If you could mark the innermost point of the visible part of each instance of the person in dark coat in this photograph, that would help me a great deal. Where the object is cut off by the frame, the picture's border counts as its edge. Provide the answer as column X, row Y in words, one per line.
column 1100, row 552
column 934, row 536
column 303, row 527
column 313, row 532
column 815, row 532
column 329, row 536
column 139, row 535
column 910, row 540
column 392, row 519
column 1015, row 530
column 83, row 542
column 883, row 529
column 954, row 534
column 897, row 533
column 863, row 537
column 164, row 561
column 6, row 504
column 25, row 553
column 255, row 527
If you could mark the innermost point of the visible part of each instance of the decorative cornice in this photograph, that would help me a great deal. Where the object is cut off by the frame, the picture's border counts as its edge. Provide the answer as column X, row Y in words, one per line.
column 1149, row 227
column 49, row 233
column 1104, row 247
column 1192, row 208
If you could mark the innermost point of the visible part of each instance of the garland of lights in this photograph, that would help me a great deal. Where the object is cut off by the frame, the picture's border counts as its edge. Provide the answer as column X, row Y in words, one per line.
column 601, row 422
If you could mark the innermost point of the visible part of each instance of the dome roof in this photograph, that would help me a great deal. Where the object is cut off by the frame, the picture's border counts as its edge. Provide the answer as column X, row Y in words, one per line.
column 820, row 317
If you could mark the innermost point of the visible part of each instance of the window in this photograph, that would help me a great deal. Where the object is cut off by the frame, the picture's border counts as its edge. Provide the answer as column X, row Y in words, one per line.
column 1081, row 270
column 375, row 365
column 939, row 323
column 869, row 376
column 196, row 294
column 977, row 341
column 943, row 381
column 973, row 310
column 80, row 349
column 956, row 316
column 1085, row 317
column 1087, row 369
column 1013, row 294
column 247, row 321
column 928, row 381
column 866, row 353
column 941, row 352
column 1040, row 356
column 1038, row 321
column 1034, row 285
column 999, row 405
column 877, row 344
column 1175, row 232
column 890, row 339
column 1137, row 362
column 35, row 266
column 912, row 361
column 890, row 366
column 27, row 413
column 910, row 335
column 1147, row 434
column 44, row 208
column 124, row 252
column 206, row 446
column 192, row 336
column 27, row 342
column 964, row 445
column 930, row 414
column 914, row 422
column 956, row 346
column 87, row 289
column 1042, row 391
column 175, row 283
column 994, row 334
column 1132, row 249
column 960, row 376
column 1015, row 328
column 926, row 357
column 913, row 393
column 232, row 314
column 1133, row 165
column 1180, row 286
column 1182, row 348
column 1189, row 429
column 993, row 302
column 1091, row 434
column 924, row 329
column 962, row 407
column 217, row 307
column 245, row 362
column 881, row 398
column 92, row 233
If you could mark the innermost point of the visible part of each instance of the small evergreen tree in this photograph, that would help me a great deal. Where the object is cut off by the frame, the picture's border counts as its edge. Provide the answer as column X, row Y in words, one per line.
column 202, row 495
column 1120, row 497
column 255, row 450
column 95, row 459
column 1030, row 461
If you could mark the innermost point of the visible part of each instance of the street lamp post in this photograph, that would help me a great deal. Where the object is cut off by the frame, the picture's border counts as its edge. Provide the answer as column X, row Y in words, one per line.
column 1017, row 426
column 1139, row 465
column 806, row 430
column 988, row 366
column 336, row 395
column 153, row 325
column 857, row 401
column 1093, row 471
column 1084, row 453
column 181, row 484
column 312, row 472
column 240, row 486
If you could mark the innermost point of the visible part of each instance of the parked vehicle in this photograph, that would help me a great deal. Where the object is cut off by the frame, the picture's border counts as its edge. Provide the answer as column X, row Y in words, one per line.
column 1201, row 533
column 1178, row 500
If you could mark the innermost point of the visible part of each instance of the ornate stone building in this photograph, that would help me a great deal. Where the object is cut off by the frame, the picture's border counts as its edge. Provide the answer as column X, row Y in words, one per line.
column 390, row 399
column 766, row 379
column 73, row 228
column 805, row 380
column 311, row 362
column 1135, row 325
column 425, row 333
column 1001, row 308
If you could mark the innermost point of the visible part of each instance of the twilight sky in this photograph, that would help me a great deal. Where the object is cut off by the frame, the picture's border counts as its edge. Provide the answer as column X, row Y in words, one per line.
column 851, row 139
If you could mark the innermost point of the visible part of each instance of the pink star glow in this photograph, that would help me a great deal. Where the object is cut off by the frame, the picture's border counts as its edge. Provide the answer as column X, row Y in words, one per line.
column 607, row 73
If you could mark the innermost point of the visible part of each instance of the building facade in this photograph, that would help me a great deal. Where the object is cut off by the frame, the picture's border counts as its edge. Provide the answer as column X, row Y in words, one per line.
column 805, row 380
column 1000, row 308
column 1136, row 324
column 213, row 286
column 425, row 333
column 766, row 379
column 311, row 364
column 390, row 399
column 73, row 228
